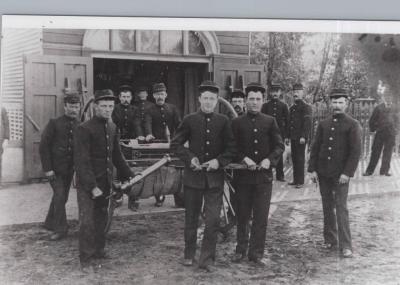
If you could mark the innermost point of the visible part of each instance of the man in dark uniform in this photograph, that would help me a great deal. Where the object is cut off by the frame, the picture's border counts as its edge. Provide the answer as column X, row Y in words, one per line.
column 385, row 122
column 96, row 150
column 4, row 135
column 238, row 101
column 280, row 111
column 334, row 157
column 143, row 106
column 56, row 154
column 126, row 116
column 211, row 147
column 260, row 146
column 298, row 133
column 161, row 122
column 163, row 118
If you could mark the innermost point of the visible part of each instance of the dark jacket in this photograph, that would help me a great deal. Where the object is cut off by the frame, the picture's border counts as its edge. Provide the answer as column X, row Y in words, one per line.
column 257, row 137
column 336, row 148
column 158, row 117
column 209, row 136
column 5, row 126
column 143, row 109
column 96, row 150
column 127, row 120
column 300, row 116
column 280, row 111
column 384, row 119
column 56, row 146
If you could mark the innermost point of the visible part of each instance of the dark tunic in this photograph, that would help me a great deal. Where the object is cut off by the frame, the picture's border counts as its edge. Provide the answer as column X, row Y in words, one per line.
column 143, row 109
column 57, row 146
column 160, row 117
column 96, row 150
column 209, row 136
column 280, row 111
column 337, row 146
column 257, row 137
column 127, row 120
column 299, row 120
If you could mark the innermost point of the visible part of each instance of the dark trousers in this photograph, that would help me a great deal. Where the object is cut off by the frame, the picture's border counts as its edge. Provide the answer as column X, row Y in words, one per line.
column 298, row 159
column 56, row 218
column 254, row 198
column 385, row 141
column 212, row 208
column 279, row 169
column 334, row 196
column 92, row 222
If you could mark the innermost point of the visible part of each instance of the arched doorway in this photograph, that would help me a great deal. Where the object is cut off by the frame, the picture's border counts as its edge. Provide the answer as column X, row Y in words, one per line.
column 180, row 59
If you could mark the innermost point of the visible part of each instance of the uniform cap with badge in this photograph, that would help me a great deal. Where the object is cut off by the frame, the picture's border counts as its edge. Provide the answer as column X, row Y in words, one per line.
column 208, row 85
column 104, row 94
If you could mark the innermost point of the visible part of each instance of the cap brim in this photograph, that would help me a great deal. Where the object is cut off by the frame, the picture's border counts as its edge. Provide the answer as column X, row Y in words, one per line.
column 209, row 88
column 106, row 97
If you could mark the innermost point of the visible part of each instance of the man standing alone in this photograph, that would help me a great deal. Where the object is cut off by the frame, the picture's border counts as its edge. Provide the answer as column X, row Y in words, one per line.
column 334, row 157
column 298, row 132
column 384, row 122
column 56, row 154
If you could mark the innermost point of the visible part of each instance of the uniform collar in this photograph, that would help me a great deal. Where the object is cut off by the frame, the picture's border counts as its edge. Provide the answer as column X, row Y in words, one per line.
column 70, row 118
column 100, row 119
column 339, row 116
column 207, row 115
column 252, row 115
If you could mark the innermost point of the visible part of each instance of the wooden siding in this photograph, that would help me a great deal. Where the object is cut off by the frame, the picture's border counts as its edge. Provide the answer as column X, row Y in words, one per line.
column 15, row 44
column 64, row 42
column 234, row 42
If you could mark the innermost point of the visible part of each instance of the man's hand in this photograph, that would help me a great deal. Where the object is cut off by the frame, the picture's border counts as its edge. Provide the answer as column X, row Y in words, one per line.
column 265, row 163
column 96, row 192
column 140, row 138
column 343, row 179
column 314, row 177
column 302, row 140
column 251, row 165
column 5, row 143
column 150, row 137
column 50, row 175
column 287, row 141
column 211, row 165
column 195, row 164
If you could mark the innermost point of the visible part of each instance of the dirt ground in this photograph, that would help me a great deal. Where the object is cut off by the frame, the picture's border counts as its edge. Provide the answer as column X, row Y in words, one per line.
column 148, row 249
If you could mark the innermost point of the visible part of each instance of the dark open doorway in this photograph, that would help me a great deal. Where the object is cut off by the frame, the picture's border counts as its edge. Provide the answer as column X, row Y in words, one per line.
column 181, row 79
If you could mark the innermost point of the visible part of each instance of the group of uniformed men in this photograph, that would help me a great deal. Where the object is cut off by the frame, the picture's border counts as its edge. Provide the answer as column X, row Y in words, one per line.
column 206, row 142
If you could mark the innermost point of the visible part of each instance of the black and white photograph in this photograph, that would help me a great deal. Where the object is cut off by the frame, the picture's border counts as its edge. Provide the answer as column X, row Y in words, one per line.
column 140, row 150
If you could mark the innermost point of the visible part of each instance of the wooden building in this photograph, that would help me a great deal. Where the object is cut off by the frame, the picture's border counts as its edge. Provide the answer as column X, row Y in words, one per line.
column 40, row 65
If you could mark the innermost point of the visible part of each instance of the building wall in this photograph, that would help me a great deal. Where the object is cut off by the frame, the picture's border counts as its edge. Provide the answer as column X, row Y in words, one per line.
column 64, row 42
column 234, row 42
column 15, row 44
